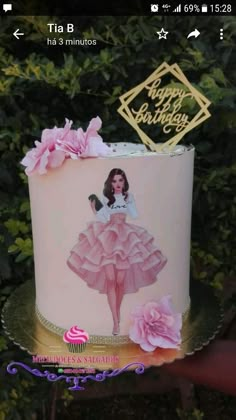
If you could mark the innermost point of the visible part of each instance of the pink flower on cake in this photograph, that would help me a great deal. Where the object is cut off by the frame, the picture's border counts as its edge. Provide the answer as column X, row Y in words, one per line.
column 155, row 324
column 84, row 144
column 93, row 144
column 44, row 155
column 57, row 144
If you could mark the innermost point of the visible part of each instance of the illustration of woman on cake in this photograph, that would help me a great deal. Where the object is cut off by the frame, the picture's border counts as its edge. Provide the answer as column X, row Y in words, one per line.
column 113, row 256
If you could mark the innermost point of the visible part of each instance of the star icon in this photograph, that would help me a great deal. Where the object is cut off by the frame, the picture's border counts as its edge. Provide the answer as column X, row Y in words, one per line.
column 162, row 33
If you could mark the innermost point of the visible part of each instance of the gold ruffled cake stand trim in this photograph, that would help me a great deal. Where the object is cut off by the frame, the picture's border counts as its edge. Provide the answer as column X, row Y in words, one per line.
column 200, row 325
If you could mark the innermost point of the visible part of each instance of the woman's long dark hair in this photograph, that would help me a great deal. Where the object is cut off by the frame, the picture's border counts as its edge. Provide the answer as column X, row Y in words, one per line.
column 108, row 190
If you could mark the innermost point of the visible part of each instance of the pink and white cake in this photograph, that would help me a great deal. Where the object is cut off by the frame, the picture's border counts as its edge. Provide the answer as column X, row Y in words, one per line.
column 111, row 231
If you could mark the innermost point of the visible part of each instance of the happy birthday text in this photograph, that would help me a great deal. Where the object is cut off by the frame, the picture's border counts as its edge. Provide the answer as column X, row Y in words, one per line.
column 168, row 102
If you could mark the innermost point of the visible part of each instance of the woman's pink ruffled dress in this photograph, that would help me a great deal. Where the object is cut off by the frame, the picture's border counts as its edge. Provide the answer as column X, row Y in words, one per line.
column 124, row 245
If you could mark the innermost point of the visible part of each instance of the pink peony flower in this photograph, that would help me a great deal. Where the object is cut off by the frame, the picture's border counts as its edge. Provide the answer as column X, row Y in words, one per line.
column 156, row 325
column 84, row 144
column 44, row 155
column 57, row 144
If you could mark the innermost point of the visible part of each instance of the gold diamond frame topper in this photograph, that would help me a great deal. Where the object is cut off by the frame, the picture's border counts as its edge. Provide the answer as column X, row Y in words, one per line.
column 168, row 103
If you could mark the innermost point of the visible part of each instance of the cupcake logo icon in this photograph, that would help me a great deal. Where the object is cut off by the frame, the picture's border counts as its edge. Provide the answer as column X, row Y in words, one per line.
column 76, row 339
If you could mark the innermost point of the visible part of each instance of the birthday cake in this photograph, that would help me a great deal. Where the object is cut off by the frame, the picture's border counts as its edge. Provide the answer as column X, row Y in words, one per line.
column 111, row 231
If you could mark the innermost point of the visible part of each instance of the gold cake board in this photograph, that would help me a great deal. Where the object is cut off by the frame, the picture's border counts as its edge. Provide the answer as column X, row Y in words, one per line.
column 200, row 325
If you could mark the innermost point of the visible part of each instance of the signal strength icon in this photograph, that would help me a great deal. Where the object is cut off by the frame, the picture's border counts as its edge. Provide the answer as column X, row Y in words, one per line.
column 178, row 9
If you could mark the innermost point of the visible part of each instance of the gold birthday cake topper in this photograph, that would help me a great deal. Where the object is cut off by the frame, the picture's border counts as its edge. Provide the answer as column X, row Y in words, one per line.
column 167, row 103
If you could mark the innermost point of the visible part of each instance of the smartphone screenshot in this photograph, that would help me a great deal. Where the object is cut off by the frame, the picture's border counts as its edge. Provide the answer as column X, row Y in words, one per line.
column 117, row 206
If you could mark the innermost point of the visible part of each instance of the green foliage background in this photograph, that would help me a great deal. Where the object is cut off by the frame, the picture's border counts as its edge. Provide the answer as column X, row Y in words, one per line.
column 40, row 85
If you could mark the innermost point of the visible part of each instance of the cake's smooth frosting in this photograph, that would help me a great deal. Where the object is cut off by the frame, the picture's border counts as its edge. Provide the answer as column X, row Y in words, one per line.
column 131, row 149
column 162, row 188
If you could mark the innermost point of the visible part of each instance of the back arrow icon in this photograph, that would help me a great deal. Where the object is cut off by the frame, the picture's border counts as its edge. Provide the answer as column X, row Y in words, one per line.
column 16, row 34
column 194, row 33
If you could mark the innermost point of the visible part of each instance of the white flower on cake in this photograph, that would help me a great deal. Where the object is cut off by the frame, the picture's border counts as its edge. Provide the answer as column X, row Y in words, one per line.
column 58, row 144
